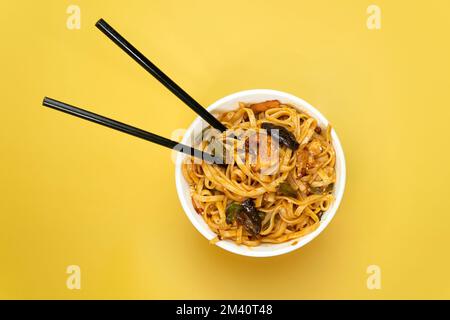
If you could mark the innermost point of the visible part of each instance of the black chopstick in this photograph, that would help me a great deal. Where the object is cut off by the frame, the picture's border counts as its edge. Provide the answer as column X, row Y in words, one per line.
column 137, row 56
column 116, row 125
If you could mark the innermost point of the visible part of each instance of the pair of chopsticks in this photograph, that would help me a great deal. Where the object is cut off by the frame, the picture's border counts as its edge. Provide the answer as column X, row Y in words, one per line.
column 144, row 62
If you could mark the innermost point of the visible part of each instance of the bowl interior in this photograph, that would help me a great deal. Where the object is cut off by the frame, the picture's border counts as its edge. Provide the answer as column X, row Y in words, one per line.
column 230, row 103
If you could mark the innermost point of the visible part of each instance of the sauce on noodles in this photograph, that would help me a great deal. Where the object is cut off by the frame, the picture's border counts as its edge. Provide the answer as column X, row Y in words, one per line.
column 273, row 193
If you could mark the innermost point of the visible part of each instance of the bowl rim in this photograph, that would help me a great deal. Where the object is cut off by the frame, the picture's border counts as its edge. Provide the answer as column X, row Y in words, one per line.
column 277, row 249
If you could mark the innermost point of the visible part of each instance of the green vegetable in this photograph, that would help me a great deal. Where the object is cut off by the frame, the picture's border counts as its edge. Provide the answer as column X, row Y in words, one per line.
column 322, row 190
column 286, row 189
column 330, row 187
column 316, row 190
column 232, row 210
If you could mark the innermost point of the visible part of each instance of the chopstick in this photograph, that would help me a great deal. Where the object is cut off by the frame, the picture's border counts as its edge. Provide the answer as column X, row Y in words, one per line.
column 144, row 62
column 116, row 125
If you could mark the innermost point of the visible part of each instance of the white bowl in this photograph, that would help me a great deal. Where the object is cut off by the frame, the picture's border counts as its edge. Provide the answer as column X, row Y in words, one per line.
column 230, row 103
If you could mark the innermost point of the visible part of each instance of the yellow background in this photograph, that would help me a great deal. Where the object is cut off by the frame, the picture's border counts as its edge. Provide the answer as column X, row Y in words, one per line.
column 72, row 192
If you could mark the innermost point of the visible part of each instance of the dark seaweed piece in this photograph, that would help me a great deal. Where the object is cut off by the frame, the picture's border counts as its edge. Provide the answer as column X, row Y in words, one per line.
column 262, row 215
column 249, row 217
column 285, row 137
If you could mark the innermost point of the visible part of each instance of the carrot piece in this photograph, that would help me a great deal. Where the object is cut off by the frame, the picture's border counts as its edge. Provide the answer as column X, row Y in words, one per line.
column 263, row 106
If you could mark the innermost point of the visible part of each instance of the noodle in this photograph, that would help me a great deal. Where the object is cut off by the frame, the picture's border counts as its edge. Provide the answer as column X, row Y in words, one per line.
column 288, row 186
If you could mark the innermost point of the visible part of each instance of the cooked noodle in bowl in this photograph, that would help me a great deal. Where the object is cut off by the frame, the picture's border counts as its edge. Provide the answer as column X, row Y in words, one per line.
column 281, row 179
